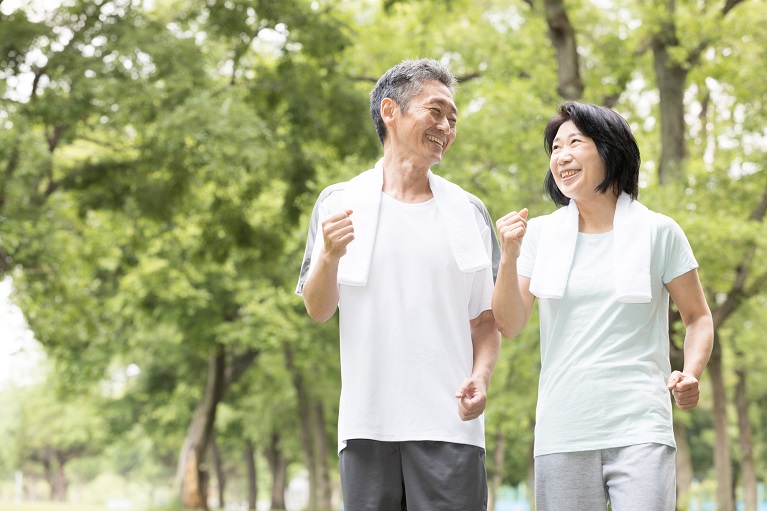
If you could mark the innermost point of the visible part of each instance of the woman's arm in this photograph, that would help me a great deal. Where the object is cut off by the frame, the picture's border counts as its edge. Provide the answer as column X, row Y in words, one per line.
column 687, row 293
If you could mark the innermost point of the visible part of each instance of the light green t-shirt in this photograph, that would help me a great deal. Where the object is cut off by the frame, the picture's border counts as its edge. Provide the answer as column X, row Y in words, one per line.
column 604, row 364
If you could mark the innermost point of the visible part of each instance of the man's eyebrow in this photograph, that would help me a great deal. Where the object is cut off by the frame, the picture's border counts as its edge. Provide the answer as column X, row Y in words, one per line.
column 445, row 104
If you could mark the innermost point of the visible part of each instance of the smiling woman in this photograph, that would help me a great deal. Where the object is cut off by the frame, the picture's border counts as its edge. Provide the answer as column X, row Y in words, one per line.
column 19, row 352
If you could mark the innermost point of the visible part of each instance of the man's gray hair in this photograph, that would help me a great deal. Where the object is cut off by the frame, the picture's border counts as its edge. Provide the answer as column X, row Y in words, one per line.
column 402, row 82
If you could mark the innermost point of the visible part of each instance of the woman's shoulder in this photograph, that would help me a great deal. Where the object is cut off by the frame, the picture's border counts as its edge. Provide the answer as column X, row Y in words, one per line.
column 664, row 223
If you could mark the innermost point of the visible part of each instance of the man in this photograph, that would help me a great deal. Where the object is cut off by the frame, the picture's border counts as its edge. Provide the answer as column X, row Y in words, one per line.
column 407, row 257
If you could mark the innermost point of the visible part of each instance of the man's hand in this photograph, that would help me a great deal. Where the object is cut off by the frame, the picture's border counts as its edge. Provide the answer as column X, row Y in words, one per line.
column 472, row 398
column 511, row 230
column 685, row 389
column 337, row 233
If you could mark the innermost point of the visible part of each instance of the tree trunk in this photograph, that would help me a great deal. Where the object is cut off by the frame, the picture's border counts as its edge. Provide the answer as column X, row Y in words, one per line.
column 53, row 473
column 671, row 79
column 496, row 476
column 278, row 466
column 746, row 443
column 219, row 465
column 191, row 475
column 684, row 468
column 62, row 485
column 724, row 493
column 305, row 419
column 321, row 455
column 562, row 34
column 252, row 476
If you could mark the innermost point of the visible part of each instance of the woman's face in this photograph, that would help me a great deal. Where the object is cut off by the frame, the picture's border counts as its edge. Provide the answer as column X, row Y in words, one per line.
column 575, row 163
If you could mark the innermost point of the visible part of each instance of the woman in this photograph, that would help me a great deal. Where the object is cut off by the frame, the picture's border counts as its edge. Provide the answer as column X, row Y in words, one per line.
column 602, row 267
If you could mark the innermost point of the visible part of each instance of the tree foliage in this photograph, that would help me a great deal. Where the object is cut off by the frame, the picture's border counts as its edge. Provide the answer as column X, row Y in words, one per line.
column 158, row 163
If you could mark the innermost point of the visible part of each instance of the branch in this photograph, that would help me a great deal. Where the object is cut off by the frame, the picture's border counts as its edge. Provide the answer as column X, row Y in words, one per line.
column 729, row 6
column 55, row 137
column 10, row 168
column 562, row 33
column 39, row 73
column 239, row 365
column 757, row 285
column 240, row 50
column 760, row 211
column 738, row 291
column 6, row 261
column 696, row 52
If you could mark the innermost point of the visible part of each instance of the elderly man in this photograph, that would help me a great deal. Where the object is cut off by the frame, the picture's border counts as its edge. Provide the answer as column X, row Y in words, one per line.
column 408, row 258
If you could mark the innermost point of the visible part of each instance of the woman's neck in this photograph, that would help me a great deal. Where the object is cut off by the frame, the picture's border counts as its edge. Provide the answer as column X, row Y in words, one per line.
column 596, row 216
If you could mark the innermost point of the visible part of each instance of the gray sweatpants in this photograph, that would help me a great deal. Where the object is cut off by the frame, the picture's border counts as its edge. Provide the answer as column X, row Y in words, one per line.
column 638, row 477
column 413, row 476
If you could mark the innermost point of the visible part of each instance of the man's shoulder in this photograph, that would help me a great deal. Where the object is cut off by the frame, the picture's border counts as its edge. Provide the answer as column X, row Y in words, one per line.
column 475, row 201
column 332, row 192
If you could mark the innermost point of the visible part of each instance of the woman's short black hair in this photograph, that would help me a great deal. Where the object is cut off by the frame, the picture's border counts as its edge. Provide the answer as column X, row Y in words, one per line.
column 615, row 143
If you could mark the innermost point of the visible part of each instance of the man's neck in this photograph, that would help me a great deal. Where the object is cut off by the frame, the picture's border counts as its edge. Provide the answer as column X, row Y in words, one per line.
column 405, row 181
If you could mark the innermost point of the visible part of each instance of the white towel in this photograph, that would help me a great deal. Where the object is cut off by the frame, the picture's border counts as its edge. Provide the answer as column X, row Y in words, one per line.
column 363, row 197
column 632, row 226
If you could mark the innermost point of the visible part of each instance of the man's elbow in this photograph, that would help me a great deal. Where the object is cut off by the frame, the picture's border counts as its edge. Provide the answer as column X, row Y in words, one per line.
column 318, row 314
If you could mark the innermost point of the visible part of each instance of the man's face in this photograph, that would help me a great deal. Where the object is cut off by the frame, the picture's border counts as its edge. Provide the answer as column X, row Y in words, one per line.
column 428, row 127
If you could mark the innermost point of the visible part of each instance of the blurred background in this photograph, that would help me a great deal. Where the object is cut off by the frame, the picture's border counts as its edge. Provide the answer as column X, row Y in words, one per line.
column 159, row 160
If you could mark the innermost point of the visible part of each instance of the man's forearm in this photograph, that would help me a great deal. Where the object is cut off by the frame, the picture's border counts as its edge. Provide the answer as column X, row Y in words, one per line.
column 321, row 290
column 486, row 341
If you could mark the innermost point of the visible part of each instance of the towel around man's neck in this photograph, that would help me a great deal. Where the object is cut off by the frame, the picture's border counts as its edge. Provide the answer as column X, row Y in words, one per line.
column 363, row 197
column 632, row 226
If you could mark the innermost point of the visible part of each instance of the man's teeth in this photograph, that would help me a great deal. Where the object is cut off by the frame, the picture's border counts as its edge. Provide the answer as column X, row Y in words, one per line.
column 433, row 139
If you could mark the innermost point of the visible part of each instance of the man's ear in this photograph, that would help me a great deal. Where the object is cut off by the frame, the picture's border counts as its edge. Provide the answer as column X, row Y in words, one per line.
column 388, row 108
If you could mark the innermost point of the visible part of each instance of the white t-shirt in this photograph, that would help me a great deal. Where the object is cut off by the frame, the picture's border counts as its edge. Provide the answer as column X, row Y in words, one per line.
column 405, row 337
column 604, row 364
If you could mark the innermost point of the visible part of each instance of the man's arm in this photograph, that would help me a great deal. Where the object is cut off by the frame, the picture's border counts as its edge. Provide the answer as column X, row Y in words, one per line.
column 688, row 296
column 321, row 288
column 487, row 344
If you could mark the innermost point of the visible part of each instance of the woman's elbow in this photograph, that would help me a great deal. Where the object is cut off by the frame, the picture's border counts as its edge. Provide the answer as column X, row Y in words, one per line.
column 508, row 330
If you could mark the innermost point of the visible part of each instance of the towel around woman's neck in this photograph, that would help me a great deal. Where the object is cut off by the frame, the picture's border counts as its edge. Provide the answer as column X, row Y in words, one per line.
column 363, row 197
column 632, row 226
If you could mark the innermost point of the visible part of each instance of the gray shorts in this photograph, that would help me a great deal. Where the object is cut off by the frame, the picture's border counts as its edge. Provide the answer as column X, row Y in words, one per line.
column 638, row 477
column 413, row 476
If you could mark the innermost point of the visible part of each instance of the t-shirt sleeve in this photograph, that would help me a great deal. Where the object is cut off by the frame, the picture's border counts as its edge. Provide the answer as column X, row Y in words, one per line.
column 677, row 253
column 483, row 282
column 314, row 239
